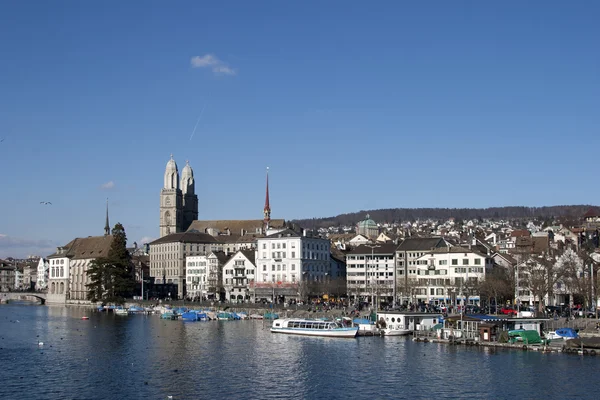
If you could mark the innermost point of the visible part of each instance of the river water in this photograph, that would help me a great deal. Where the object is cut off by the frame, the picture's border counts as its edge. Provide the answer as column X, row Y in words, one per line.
column 144, row 357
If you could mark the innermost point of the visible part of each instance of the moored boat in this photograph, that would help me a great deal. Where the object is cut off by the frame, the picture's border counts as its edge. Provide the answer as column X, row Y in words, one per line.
column 121, row 311
column 562, row 333
column 310, row 327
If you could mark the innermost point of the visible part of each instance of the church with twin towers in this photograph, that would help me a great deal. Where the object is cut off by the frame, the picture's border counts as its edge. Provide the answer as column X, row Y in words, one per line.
column 178, row 200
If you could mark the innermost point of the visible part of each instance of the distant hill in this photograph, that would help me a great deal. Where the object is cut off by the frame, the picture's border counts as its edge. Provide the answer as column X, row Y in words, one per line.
column 390, row 215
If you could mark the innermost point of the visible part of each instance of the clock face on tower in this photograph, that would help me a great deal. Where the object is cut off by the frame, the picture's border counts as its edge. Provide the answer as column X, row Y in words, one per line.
column 168, row 201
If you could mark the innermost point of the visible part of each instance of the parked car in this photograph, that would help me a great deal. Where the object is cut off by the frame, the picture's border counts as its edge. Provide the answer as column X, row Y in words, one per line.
column 508, row 311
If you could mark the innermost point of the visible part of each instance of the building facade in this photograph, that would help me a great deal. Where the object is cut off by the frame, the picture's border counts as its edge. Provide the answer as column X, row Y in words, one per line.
column 43, row 268
column 291, row 265
column 408, row 253
column 450, row 275
column 168, row 256
column 238, row 273
column 370, row 273
column 68, row 278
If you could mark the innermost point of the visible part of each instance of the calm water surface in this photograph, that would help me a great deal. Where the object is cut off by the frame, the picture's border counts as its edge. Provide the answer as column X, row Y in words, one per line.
column 144, row 357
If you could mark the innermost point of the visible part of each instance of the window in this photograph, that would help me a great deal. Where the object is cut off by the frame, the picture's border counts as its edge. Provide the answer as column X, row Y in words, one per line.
column 283, row 245
column 264, row 246
column 454, row 261
column 293, row 267
column 465, row 261
column 478, row 261
column 264, row 267
column 293, row 254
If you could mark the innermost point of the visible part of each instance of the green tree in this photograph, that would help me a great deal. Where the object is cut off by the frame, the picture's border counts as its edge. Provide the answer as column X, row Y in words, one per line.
column 111, row 277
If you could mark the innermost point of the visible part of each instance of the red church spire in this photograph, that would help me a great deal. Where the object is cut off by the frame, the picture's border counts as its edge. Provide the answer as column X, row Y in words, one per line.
column 267, row 210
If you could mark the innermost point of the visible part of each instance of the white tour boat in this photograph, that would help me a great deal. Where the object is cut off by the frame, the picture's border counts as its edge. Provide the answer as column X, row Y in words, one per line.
column 312, row 327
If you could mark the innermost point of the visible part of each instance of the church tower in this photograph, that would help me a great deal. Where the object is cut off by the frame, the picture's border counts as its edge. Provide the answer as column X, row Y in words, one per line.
column 171, row 201
column 190, row 200
column 106, row 224
column 267, row 209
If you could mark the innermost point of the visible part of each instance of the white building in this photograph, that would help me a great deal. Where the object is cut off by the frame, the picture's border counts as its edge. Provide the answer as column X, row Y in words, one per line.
column 238, row 275
column 43, row 269
column 204, row 275
column 168, row 256
column 18, row 279
column 407, row 255
column 290, row 264
column 196, row 271
column 370, row 272
column 450, row 274
column 68, row 267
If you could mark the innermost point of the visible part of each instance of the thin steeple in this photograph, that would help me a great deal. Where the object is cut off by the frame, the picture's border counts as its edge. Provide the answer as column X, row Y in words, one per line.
column 267, row 209
column 107, row 225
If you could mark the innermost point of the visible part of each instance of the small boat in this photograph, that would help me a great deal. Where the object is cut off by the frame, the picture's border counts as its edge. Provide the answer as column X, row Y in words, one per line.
column 271, row 316
column 121, row 311
column 193, row 316
column 255, row 316
column 168, row 315
column 225, row 316
column 366, row 327
column 311, row 327
column 562, row 333
column 85, row 318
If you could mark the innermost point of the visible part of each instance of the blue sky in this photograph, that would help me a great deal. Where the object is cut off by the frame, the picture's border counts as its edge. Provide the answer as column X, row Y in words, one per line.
column 353, row 105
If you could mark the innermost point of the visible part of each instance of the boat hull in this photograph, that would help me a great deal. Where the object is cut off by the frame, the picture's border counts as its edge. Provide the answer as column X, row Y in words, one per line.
column 395, row 332
column 339, row 333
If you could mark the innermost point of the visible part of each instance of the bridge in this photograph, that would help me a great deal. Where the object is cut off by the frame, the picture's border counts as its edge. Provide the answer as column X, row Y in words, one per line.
column 35, row 296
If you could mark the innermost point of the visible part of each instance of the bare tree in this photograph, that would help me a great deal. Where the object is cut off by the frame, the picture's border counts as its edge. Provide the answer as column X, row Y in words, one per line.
column 576, row 277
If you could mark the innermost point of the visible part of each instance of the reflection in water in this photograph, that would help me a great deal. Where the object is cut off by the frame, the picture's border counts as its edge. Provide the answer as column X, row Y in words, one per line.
column 137, row 356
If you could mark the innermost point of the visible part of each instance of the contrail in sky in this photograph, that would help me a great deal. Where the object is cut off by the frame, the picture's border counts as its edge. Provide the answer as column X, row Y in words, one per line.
column 199, row 118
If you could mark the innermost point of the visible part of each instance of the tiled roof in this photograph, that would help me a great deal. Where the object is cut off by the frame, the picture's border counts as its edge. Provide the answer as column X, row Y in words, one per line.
column 507, row 257
column 186, row 237
column 592, row 212
column 250, row 255
column 85, row 248
column 222, row 257
column 423, row 244
column 454, row 250
column 285, row 233
column 383, row 248
column 235, row 226
column 520, row 232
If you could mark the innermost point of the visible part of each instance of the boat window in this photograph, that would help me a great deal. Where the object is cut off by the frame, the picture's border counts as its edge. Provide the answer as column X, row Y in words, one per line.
column 302, row 324
column 393, row 319
column 321, row 326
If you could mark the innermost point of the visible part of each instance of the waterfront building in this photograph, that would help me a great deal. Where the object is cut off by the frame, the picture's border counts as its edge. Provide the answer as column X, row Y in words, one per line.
column 238, row 275
column 370, row 272
column 168, row 256
column 291, row 265
column 178, row 200
column 446, row 275
column 43, row 268
column 204, row 275
column 407, row 254
column 7, row 276
column 69, row 264
column 18, row 279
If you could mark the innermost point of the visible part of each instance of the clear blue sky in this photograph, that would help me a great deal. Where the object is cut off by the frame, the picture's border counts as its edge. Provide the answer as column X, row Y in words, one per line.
column 353, row 105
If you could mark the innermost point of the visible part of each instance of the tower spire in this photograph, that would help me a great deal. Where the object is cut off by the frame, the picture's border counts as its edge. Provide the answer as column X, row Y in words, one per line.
column 267, row 209
column 107, row 225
